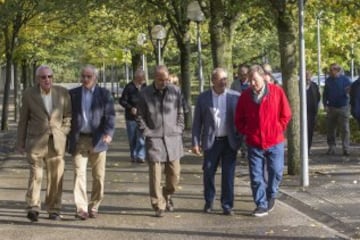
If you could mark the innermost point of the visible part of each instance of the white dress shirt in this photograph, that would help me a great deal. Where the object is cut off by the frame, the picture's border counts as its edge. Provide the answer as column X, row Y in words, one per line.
column 219, row 113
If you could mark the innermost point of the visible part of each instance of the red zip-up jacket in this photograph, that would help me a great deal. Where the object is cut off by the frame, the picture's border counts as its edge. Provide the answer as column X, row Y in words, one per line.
column 263, row 124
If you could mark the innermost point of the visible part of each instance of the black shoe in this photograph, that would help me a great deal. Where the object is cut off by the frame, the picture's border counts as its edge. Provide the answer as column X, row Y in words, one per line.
column 170, row 205
column 260, row 212
column 54, row 216
column 346, row 153
column 331, row 151
column 271, row 204
column 33, row 215
column 159, row 213
column 208, row 208
column 228, row 212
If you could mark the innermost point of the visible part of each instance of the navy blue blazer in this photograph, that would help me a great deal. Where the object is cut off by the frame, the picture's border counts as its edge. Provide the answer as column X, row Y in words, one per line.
column 102, row 122
column 203, row 128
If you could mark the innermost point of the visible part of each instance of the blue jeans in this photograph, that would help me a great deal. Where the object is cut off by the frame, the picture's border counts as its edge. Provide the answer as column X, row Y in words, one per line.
column 260, row 161
column 136, row 141
column 221, row 150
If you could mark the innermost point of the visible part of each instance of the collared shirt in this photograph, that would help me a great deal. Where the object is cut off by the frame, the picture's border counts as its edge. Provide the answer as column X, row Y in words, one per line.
column 86, row 101
column 219, row 113
column 47, row 99
column 258, row 96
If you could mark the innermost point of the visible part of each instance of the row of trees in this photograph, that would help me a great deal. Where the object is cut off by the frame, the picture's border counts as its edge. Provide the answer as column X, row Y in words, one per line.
column 68, row 33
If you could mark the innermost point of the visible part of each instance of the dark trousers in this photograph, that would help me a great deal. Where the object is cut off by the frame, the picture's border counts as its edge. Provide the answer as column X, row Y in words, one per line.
column 220, row 151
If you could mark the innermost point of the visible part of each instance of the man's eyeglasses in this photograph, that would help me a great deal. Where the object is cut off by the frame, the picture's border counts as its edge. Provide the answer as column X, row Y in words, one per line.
column 46, row 76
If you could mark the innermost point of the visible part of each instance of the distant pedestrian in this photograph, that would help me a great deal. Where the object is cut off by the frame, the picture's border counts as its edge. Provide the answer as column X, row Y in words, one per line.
column 161, row 120
column 92, row 130
column 241, row 83
column 262, row 115
column 214, row 132
column 175, row 80
column 336, row 104
column 355, row 99
column 312, row 103
column 45, row 118
column 269, row 78
column 129, row 100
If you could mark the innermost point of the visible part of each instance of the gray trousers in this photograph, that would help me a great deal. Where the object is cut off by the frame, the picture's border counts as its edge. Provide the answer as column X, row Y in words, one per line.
column 338, row 119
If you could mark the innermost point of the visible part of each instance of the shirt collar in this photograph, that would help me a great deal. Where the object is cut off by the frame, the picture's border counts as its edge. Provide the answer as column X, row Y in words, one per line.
column 43, row 93
column 218, row 95
column 84, row 89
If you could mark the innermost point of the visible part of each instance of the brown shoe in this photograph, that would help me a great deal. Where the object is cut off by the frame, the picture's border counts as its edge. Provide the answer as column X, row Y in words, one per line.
column 82, row 215
column 93, row 214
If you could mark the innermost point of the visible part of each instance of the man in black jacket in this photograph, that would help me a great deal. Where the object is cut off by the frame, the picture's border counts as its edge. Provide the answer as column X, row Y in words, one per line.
column 129, row 100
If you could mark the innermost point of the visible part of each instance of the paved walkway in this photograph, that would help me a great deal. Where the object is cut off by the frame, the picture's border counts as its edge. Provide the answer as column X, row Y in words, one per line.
column 325, row 210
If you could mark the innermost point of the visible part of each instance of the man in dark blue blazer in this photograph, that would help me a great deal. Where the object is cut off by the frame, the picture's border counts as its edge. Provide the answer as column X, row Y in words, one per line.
column 214, row 130
column 92, row 129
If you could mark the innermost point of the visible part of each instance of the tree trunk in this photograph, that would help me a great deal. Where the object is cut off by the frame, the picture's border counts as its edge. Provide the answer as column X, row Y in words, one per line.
column 184, row 47
column 221, row 38
column 287, row 32
column 16, row 91
column 5, row 111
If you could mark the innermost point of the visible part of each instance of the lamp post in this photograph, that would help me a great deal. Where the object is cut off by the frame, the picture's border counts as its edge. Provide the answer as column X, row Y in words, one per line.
column 303, row 112
column 318, row 16
column 158, row 33
column 195, row 14
column 352, row 62
column 141, row 41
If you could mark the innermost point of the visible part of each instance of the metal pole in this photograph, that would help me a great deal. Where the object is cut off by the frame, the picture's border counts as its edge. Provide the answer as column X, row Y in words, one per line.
column 127, row 72
column 304, row 140
column 201, row 77
column 143, row 61
column 159, row 51
column 352, row 62
column 318, row 46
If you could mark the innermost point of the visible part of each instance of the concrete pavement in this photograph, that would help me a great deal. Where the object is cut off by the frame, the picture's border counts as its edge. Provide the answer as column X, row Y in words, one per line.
column 310, row 213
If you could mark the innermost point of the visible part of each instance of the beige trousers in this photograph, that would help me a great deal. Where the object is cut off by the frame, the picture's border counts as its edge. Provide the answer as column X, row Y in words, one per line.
column 54, row 165
column 83, row 154
column 158, row 194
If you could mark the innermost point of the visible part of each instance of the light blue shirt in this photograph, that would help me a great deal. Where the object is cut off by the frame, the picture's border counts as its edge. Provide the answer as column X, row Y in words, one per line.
column 86, row 100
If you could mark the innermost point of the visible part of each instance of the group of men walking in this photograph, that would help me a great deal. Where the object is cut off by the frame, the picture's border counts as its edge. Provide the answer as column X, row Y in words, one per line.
column 82, row 122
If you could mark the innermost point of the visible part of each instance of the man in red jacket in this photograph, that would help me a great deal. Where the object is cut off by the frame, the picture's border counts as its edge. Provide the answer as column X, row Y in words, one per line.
column 262, row 114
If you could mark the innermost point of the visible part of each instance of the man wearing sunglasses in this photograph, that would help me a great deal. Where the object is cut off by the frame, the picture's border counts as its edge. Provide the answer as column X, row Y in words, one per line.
column 45, row 118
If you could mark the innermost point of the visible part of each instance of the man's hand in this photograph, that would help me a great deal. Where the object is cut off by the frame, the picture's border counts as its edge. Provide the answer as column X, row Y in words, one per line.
column 107, row 139
column 196, row 150
column 133, row 111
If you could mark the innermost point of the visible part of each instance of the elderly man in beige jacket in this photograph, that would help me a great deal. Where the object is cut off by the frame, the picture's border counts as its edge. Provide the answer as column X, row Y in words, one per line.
column 45, row 119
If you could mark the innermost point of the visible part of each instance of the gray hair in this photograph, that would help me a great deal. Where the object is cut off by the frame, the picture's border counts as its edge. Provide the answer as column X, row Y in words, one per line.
column 216, row 71
column 40, row 68
column 93, row 69
column 256, row 68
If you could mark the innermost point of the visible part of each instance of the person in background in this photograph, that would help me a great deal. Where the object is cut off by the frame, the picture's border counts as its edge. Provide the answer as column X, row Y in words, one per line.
column 45, row 118
column 312, row 103
column 175, row 80
column 336, row 104
column 262, row 115
column 214, row 132
column 355, row 99
column 268, row 73
column 241, row 83
column 161, row 120
column 129, row 100
column 92, row 130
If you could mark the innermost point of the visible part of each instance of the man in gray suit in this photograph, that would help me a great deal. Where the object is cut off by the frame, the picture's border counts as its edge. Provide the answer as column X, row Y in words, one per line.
column 161, row 120
column 214, row 130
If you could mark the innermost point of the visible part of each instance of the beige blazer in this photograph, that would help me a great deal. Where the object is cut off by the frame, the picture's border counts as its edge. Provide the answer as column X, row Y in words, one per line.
column 36, row 124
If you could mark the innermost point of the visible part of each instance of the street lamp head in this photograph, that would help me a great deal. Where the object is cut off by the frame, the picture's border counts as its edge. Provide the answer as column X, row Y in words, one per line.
column 158, row 32
column 194, row 12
